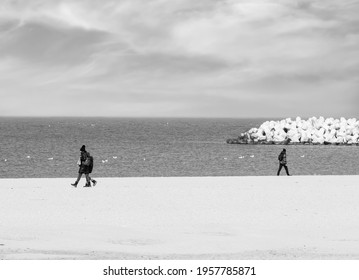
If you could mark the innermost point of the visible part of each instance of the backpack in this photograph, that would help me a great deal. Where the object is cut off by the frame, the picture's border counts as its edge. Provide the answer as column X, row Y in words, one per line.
column 90, row 158
column 280, row 157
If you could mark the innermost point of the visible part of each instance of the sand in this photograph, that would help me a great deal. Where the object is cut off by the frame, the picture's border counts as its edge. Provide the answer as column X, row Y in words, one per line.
column 297, row 217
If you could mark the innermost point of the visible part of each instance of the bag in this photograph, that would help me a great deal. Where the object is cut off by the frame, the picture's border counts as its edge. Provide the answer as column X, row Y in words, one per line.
column 88, row 161
column 280, row 157
column 91, row 163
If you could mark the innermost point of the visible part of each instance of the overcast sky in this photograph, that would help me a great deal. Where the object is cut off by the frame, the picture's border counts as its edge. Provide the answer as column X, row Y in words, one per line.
column 179, row 58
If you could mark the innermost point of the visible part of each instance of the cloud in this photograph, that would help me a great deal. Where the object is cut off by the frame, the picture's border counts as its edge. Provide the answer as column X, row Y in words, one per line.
column 159, row 54
column 46, row 44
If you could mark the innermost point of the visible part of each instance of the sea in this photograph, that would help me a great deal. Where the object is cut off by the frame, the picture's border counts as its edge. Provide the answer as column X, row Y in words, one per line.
column 155, row 147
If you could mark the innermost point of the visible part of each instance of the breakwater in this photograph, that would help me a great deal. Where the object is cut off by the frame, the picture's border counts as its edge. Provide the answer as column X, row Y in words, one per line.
column 316, row 131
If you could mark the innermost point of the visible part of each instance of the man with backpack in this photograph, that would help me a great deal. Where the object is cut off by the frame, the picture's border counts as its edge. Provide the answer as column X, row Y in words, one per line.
column 283, row 162
column 86, row 165
column 89, row 163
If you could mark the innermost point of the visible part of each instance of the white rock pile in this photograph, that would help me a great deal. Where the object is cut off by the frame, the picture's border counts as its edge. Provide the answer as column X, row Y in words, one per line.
column 312, row 131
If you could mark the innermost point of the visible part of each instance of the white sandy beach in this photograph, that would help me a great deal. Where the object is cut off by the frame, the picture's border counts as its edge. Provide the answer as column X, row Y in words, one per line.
column 298, row 217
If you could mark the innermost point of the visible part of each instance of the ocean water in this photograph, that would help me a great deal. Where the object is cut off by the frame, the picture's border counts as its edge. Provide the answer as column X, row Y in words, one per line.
column 49, row 147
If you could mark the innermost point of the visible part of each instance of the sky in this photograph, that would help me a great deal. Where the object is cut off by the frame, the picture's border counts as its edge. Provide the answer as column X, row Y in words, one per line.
column 179, row 58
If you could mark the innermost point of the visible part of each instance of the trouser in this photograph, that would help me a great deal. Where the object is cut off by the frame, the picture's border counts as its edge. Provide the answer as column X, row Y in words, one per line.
column 87, row 178
column 280, row 168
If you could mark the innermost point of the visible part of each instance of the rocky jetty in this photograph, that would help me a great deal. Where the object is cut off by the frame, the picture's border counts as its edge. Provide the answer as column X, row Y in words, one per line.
column 317, row 131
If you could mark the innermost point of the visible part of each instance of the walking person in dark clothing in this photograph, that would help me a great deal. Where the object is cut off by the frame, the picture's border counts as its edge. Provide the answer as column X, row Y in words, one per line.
column 89, row 163
column 84, row 167
column 283, row 162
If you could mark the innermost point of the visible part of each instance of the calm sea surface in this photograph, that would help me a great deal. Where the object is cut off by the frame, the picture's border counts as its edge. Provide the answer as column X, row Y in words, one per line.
column 49, row 147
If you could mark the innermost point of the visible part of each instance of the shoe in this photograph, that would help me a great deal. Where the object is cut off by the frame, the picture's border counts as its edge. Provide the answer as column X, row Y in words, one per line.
column 87, row 185
column 74, row 185
column 94, row 182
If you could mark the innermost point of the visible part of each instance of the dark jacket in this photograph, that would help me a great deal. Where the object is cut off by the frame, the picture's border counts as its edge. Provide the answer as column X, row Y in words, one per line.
column 282, row 158
column 83, row 168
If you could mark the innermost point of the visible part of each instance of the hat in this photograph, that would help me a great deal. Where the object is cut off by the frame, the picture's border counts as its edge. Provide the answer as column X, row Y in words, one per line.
column 83, row 148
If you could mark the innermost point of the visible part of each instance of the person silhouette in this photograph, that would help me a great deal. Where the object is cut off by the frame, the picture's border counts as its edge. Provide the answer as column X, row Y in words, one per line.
column 283, row 162
column 83, row 168
column 90, row 168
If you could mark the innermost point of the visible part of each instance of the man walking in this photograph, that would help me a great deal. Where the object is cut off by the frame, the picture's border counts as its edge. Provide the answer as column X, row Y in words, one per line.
column 89, row 163
column 283, row 162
